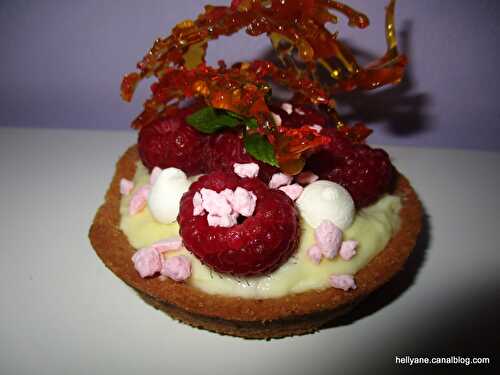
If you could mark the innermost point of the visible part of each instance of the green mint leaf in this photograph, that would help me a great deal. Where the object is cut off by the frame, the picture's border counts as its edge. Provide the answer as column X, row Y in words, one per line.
column 235, row 115
column 209, row 120
column 259, row 147
column 251, row 123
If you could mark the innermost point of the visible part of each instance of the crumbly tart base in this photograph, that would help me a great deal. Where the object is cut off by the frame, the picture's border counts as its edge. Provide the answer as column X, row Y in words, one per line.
column 249, row 318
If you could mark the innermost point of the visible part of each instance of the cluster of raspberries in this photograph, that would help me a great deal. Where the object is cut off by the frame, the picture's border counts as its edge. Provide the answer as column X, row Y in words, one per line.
column 248, row 225
column 365, row 172
column 172, row 142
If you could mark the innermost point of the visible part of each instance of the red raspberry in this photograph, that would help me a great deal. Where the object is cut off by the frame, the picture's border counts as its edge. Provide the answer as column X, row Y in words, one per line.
column 226, row 148
column 171, row 142
column 322, row 161
column 258, row 245
column 365, row 172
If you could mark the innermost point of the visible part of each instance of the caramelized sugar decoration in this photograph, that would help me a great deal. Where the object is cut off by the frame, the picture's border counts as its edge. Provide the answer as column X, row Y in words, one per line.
column 298, row 33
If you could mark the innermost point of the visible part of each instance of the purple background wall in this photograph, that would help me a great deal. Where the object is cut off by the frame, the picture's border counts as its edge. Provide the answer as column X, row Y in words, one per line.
column 62, row 62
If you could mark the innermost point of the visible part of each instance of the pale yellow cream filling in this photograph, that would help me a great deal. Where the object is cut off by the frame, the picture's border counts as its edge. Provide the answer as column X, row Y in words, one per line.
column 373, row 227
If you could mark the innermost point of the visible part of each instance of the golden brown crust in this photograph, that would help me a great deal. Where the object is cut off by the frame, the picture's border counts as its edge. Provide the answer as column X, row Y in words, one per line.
column 251, row 318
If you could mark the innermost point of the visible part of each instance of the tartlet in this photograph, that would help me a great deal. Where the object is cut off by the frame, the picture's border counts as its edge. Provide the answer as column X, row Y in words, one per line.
column 250, row 318
column 202, row 119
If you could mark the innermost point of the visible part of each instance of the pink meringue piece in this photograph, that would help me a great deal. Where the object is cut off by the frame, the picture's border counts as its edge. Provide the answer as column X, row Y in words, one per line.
column 178, row 268
column 126, row 186
column 316, row 127
column 147, row 261
column 224, row 208
column 348, row 249
column 169, row 244
column 279, row 179
column 344, row 282
column 197, row 204
column 229, row 195
column 287, row 107
column 293, row 191
column 225, row 221
column 306, row 177
column 243, row 201
column 276, row 118
column 154, row 175
column 139, row 200
column 250, row 170
column 315, row 254
column 215, row 203
column 329, row 238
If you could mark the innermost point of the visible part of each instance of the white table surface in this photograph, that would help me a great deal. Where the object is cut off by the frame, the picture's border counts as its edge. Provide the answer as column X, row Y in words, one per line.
column 63, row 312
